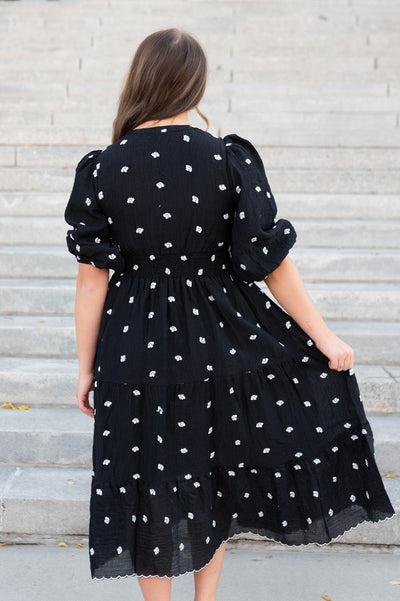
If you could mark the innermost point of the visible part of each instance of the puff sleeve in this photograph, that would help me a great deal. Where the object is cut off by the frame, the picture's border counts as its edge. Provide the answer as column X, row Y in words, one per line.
column 90, row 239
column 259, row 242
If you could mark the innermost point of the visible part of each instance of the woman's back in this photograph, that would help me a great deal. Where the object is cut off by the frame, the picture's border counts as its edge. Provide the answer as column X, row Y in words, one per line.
column 182, row 217
column 166, row 190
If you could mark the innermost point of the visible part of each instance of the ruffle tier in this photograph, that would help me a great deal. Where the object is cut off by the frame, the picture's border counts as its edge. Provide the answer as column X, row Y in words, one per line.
column 180, row 469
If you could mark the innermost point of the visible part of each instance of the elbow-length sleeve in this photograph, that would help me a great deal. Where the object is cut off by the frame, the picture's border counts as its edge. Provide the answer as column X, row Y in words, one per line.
column 90, row 239
column 259, row 242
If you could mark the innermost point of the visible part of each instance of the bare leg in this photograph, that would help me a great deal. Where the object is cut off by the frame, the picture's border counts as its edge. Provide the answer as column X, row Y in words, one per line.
column 206, row 580
column 155, row 588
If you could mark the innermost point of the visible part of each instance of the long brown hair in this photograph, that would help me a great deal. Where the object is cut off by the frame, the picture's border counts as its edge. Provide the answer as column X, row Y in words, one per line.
column 167, row 76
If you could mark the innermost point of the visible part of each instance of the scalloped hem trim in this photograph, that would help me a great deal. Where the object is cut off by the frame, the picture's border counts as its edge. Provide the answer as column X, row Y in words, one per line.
column 266, row 538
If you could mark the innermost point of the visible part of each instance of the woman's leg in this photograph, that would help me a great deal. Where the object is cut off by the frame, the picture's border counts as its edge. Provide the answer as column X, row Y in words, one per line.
column 155, row 588
column 206, row 580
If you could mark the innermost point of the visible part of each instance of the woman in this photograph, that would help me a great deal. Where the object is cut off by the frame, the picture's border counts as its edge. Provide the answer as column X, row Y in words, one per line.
column 216, row 411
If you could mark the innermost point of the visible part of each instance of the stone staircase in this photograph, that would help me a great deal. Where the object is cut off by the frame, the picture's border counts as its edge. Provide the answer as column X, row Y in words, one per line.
column 313, row 85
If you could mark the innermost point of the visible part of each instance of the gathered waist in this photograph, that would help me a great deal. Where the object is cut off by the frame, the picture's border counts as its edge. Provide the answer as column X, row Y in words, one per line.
column 193, row 264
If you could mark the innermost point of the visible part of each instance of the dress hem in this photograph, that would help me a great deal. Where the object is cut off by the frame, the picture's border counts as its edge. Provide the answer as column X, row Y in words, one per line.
column 263, row 537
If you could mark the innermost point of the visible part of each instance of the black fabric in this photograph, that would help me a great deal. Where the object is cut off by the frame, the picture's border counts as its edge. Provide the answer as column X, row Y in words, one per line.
column 215, row 413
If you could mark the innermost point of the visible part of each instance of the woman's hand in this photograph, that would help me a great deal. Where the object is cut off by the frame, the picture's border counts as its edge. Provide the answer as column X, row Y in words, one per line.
column 338, row 352
column 85, row 385
column 289, row 290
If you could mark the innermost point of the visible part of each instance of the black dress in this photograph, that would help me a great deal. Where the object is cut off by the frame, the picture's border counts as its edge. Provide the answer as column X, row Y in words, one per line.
column 215, row 413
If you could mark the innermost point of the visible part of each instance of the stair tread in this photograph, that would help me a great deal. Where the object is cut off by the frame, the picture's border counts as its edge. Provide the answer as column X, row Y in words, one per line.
column 51, row 483
column 375, row 327
column 71, row 419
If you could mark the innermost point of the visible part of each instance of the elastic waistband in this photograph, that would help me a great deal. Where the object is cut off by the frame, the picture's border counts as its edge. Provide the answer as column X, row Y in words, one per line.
column 179, row 264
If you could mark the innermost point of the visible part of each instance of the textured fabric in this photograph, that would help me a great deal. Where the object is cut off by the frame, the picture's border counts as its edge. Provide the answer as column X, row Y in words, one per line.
column 215, row 413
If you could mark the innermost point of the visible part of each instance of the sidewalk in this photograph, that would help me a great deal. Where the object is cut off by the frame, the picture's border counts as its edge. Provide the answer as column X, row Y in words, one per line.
column 251, row 572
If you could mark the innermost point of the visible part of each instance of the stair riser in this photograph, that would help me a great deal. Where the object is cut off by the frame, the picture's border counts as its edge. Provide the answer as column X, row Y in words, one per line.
column 334, row 234
column 32, row 341
column 273, row 157
column 311, row 181
column 75, row 450
column 379, row 396
column 71, row 516
column 341, row 304
column 39, row 389
column 42, row 516
column 292, row 205
column 314, row 265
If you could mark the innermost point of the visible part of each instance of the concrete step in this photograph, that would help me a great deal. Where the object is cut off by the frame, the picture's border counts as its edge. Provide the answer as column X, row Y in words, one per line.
column 334, row 181
column 37, row 262
column 343, row 264
column 386, row 442
column 43, row 382
column 315, row 264
column 55, row 500
column 351, row 301
column 78, row 69
column 263, row 125
column 293, row 205
column 304, row 158
column 350, row 233
column 48, row 436
column 25, row 203
column 274, row 157
column 36, row 179
column 32, row 134
column 280, row 18
column 52, row 382
column 52, row 156
column 368, row 69
column 380, row 99
column 374, row 343
column 44, row 500
column 336, row 206
column 34, row 336
column 282, row 29
column 37, row 297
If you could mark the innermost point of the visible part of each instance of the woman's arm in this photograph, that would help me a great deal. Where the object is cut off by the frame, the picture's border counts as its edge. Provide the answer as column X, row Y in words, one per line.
column 91, row 290
column 288, row 288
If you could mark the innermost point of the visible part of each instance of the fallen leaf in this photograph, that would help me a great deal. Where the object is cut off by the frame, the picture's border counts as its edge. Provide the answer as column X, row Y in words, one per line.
column 326, row 597
column 62, row 545
column 11, row 406
column 394, row 582
column 390, row 476
column 70, row 481
column 268, row 556
column 79, row 545
column 6, row 543
column 41, row 320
